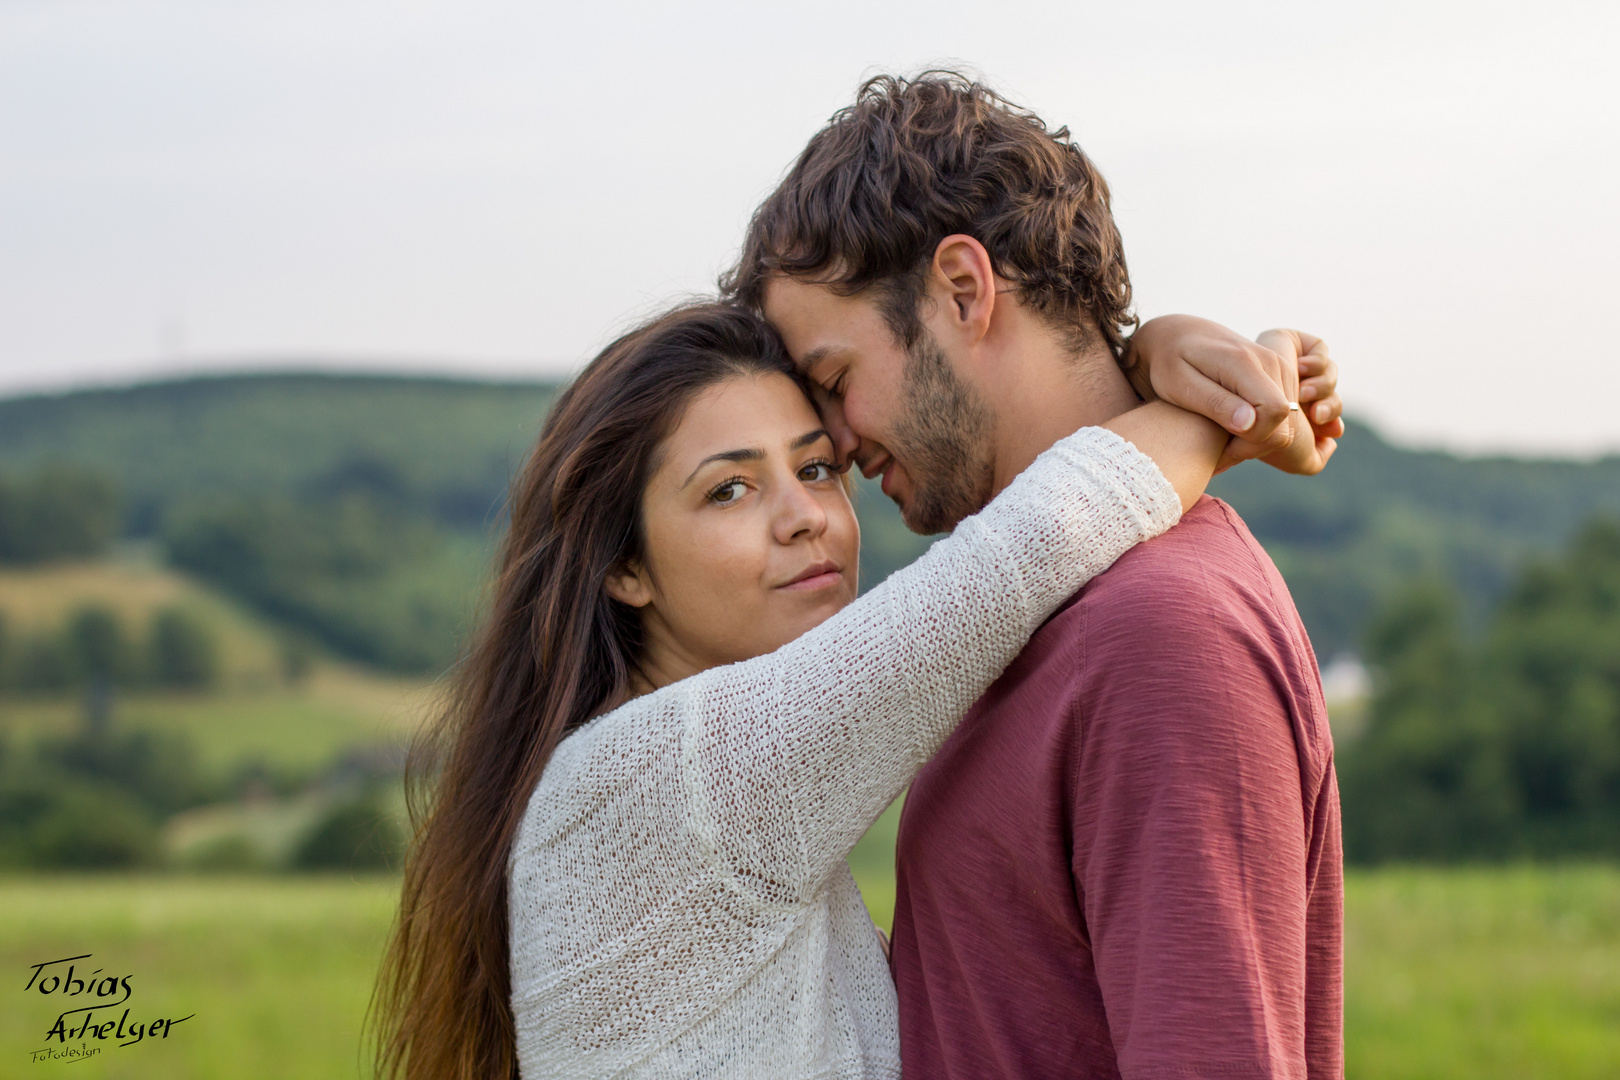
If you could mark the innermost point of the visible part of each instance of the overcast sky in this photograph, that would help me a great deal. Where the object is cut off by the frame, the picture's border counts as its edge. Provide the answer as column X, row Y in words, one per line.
column 496, row 189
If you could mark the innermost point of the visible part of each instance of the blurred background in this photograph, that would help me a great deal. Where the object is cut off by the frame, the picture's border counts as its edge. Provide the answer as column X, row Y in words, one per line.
column 286, row 290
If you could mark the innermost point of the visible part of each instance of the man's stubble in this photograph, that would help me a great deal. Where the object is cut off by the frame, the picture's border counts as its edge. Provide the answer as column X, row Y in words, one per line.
column 943, row 437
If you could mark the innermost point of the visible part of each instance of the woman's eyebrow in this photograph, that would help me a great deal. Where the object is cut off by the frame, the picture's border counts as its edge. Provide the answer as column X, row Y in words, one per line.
column 756, row 455
column 809, row 437
column 726, row 455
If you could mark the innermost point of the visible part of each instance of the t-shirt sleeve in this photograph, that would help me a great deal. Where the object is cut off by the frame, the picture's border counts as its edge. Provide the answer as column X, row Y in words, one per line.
column 1189, row 842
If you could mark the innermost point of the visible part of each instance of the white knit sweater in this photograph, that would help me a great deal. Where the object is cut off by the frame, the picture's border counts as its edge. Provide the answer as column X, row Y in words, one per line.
column 679, row 903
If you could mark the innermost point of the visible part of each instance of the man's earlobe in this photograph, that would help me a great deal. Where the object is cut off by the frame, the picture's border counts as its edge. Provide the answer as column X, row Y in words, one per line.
column 628, row 584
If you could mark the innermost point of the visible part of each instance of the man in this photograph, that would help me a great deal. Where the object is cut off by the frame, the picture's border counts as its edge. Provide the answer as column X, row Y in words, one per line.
column 1126, row 860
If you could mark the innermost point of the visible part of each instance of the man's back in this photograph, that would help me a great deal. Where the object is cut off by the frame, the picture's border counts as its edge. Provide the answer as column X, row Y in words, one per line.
column 1126, row 861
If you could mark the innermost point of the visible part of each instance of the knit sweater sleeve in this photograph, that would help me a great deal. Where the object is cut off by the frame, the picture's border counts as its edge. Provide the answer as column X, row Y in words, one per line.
column 787, row 758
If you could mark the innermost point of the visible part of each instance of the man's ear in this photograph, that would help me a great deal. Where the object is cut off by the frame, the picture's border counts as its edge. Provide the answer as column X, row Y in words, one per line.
column 964, row 278
column 628, row 583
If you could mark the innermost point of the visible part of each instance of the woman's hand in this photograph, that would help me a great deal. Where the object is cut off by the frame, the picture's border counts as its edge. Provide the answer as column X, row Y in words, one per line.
column 1311, row 443
column 1245, row 386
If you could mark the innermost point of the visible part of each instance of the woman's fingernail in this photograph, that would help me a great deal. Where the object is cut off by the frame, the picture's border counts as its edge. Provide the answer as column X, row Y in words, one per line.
column 1323, row 413
column 1306, row 393
column 1243, row 418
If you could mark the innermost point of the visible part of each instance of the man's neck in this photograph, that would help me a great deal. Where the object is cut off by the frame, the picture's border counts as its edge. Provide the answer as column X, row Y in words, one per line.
column 1049, row 393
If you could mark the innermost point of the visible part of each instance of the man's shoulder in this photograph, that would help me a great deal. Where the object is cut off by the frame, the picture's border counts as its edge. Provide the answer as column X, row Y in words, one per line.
column 1207, row 561
column 1204, row 588
column 1209, row 549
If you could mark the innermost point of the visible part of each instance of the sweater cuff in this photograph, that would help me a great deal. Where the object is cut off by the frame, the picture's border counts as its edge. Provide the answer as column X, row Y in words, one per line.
column 1144, row 482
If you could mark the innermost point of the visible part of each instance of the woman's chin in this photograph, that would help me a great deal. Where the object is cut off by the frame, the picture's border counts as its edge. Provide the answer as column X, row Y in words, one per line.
column 810, row 614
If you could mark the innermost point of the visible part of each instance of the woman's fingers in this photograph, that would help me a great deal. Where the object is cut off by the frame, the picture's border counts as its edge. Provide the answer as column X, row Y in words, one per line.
column 1319, row 363
column 1325, row 448
column 1251, row 412
column 1281, row 368
column 1318, row 374
column 1318, row 380
column 1293, row 366
column 1326, row 411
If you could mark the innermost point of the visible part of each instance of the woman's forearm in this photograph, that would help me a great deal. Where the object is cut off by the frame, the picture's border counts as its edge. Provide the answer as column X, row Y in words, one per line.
column 788, row 757
column 1184, row 445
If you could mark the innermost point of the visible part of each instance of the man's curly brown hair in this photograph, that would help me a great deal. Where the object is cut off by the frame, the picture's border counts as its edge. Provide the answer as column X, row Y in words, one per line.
column 914, row 160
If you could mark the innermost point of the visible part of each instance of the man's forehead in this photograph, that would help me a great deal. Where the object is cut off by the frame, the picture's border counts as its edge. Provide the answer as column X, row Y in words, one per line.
column 812, row 321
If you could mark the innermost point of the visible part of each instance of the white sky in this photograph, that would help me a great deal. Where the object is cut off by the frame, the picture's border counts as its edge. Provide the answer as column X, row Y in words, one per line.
column 496, row 188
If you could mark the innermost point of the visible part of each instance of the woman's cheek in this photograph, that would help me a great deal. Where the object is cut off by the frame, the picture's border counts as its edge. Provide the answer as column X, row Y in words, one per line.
column 845, row 532
column 729, row 594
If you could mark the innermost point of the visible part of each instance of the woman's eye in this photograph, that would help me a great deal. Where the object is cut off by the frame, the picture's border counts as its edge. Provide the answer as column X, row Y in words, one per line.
column 815, row 471
column 728, row 492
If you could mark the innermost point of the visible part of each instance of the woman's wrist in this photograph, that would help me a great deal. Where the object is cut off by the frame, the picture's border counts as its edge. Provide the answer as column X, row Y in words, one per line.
column 1184, row 445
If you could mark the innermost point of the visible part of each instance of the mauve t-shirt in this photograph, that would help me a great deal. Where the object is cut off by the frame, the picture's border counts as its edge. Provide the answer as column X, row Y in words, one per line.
column 1126, row 861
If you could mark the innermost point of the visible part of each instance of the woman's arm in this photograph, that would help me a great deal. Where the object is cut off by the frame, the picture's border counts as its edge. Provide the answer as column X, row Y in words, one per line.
column 1183, row 445
column 787, row 758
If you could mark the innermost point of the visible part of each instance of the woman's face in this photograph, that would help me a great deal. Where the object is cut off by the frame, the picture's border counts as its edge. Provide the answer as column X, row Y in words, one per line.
column 750, row 537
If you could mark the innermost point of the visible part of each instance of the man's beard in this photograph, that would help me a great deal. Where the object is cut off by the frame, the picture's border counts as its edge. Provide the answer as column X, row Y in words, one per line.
column 942, row 438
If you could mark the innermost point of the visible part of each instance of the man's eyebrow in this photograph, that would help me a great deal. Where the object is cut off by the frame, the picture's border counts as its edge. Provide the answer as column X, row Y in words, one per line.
column 814, row 357
column 757, row 455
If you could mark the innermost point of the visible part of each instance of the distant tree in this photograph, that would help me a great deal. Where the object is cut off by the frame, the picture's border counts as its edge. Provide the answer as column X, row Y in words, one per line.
column 91, row 828
column 1426, row 779
column 157, row 770
column 230, row 853
column 44, row 662
column 264, row 546
column 348, row 572
column 1554, row 656
column 1503, row 747
column 100, row 646
column 62, row 817
column 357, row 834
column 61, row 512
column 184, row 651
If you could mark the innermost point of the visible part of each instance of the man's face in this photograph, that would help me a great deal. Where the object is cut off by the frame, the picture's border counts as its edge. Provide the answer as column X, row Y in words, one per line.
column 902, row 414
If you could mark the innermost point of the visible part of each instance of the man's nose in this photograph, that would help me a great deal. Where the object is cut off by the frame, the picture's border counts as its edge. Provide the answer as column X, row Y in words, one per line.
column 833, row 418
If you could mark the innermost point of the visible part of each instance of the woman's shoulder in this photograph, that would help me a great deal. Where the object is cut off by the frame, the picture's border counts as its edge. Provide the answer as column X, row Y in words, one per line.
column 626, row 749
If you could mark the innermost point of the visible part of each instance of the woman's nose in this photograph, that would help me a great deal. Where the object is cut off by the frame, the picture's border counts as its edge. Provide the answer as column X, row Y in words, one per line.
column 798, row 514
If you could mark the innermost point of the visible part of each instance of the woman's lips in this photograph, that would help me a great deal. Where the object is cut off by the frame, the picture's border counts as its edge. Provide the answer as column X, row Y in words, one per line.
column 816, row 576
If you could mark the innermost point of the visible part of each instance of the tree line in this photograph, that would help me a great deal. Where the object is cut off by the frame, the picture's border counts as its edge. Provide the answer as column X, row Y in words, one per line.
column 350, row 562
column 98, row 799
column 1497, row 743
column 178, row 649
column 60, row 511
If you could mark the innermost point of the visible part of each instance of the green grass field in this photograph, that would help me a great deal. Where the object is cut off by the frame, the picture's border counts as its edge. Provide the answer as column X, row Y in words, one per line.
column 1511, row 973
column 1501, row 973
column 275, row 970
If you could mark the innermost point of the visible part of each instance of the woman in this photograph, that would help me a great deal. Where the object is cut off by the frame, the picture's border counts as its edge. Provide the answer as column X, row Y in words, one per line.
column 678, row 720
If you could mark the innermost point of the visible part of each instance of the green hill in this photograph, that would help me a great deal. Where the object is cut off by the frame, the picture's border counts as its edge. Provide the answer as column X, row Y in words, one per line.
column 1381, row 517
column 438, row 453
column 443, row 446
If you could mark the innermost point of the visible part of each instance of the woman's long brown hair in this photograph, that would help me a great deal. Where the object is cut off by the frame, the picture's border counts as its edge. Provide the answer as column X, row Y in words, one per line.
column 553, row 649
